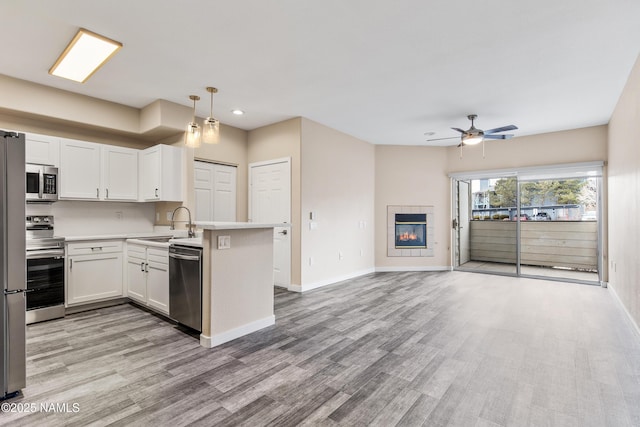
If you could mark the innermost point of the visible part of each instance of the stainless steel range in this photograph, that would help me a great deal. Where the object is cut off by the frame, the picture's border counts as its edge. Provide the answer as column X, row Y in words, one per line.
column 45, row 270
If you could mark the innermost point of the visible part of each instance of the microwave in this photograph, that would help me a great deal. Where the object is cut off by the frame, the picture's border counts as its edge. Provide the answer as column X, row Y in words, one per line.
column 41, row 183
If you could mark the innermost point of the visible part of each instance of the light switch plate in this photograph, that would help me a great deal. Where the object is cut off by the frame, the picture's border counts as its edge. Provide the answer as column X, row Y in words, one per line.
column 224, row 242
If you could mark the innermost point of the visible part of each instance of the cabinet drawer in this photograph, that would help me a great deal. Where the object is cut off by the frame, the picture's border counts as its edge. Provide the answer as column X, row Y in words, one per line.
column 160, row 256
column 94, row 247
column 136, row 251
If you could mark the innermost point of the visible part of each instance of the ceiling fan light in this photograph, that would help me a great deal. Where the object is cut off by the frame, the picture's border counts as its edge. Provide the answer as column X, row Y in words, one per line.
column 472, row 139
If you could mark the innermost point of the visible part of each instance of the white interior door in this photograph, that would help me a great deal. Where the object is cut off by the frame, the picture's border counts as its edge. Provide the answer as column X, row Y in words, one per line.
column 224, row 192
column 203, row 186
column 270, row 202
column 215, row 191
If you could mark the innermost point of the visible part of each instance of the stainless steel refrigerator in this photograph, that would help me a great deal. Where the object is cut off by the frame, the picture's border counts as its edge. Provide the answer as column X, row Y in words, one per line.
column 12, row 263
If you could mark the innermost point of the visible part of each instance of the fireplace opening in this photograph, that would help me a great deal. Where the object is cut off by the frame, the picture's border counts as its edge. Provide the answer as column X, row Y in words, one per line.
column 411, row 231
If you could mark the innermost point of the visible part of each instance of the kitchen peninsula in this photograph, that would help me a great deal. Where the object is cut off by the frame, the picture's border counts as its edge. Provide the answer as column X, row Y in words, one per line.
column 237, row 279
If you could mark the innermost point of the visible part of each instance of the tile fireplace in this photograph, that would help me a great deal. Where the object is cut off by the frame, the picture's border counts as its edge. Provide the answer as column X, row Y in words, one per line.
column 410, row 231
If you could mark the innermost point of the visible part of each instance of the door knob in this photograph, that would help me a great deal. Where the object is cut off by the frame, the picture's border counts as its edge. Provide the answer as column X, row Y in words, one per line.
column 283, row 232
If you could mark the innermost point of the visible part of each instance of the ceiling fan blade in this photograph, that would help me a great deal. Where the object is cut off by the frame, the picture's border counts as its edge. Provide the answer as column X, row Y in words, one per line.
column 506, row 136
column 501, row 129
column 440, row 139
column 459, row 130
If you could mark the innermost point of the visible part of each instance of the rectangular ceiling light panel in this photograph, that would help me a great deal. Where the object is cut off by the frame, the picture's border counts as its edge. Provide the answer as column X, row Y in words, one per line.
column 86, row 53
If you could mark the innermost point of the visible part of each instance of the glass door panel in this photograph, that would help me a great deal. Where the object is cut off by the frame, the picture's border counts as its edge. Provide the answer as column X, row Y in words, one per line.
column 486, row 225
column 559, row 229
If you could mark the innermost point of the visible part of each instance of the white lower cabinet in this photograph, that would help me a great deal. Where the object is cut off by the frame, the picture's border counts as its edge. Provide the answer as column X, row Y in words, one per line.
column 148, row 276
column 94, row 271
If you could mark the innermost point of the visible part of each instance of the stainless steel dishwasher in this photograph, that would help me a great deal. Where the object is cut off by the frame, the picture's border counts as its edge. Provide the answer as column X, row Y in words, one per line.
column 185, row 285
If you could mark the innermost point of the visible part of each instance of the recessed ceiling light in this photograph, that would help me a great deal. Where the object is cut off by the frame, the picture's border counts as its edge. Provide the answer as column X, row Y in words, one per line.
column 84, row 55
column 237, row 112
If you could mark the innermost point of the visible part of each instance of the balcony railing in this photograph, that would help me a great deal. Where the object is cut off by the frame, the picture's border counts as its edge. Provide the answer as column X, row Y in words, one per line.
column 568, row 244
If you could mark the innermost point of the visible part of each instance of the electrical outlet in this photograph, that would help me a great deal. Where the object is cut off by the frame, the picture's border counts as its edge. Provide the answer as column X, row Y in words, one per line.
column 361, row 252
column 169, row 215
column 340, row 255
column 119, row 215
column 157, row 216
column 224, row 242
column 310, row 260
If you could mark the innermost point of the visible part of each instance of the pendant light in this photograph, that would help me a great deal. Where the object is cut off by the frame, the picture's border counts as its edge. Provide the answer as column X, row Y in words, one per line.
column 211, row 126
column 192, row 135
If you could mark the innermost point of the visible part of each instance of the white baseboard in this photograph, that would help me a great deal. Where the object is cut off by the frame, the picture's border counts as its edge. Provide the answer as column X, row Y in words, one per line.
column 619, row 301
column 330, row 281
column 232, row 334
column 401, row 269
column 295, row 287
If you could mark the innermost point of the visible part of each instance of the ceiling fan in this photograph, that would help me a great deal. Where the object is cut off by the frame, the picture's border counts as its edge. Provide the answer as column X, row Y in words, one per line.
column 473, row 135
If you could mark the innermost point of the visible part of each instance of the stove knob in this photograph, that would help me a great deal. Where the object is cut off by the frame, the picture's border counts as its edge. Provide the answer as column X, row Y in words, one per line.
column 45, row 219
column 36, row 219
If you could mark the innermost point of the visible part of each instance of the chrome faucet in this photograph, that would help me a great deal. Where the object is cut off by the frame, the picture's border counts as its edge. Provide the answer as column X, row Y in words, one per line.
column 190, row 233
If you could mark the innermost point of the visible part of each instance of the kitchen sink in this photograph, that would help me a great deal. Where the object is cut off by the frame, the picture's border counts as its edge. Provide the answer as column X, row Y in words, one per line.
column 159, row 239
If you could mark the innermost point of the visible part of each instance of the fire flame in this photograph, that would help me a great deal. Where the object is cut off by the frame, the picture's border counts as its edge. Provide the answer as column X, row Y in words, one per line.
column 406, row 236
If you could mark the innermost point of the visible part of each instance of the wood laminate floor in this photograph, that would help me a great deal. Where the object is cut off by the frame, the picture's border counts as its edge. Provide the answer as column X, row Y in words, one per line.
column 386, row 349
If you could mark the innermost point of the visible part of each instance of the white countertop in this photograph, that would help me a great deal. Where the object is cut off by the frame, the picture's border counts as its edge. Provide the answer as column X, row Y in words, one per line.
column 188, row 241
column 115, row 236
column 218, row 225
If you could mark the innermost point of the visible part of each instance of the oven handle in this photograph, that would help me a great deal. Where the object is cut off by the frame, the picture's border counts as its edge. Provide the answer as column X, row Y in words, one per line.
column 47, row 253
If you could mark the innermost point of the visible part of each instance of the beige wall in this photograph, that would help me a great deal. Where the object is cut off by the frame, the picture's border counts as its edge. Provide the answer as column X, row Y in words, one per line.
column 338, row 186
column 624, row 196
column 29, row 98
column 274, row 142
column 239, row 296
column 408, row 175
column 45, row 126
column 26, row 99
column 577, row 145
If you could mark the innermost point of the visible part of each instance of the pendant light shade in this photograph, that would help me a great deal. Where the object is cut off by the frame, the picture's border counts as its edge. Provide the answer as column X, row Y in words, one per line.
column 192, row 136
column 211, row 126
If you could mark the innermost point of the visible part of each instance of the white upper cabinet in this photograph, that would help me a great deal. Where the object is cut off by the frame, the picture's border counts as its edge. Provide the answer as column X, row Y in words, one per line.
column 161, row 173
column 42, row 149
column 79, row 171
column 119, row 173
column 90, row 171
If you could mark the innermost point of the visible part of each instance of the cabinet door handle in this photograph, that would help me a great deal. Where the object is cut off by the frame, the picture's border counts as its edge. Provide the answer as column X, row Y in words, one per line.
column 156, row 192
column 70, row 263
column 97, row 193
column 146, row 267
column 142, row 266
column 107, row 195
column 99, row 248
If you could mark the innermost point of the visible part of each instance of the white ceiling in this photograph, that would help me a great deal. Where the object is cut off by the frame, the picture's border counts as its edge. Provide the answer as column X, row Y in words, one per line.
column 383, row 71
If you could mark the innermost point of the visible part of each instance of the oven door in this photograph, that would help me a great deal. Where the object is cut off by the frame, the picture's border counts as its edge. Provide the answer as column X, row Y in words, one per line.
column 45, row 281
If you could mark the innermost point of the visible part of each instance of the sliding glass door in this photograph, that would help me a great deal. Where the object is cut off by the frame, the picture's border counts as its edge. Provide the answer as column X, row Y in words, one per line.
column 485, row 227
column 542, row 223
column 560, row 237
